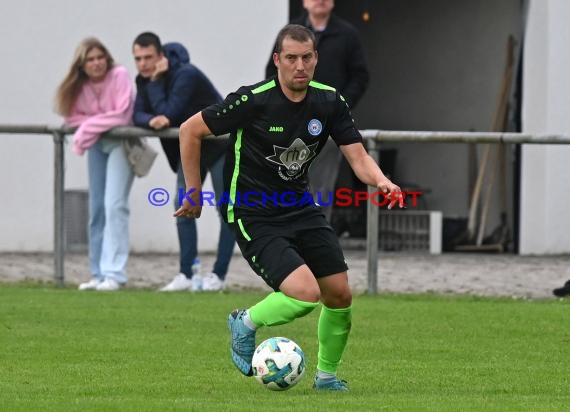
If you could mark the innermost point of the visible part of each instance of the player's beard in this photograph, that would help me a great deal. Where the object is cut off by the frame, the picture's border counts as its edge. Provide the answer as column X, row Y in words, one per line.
column 299, row 87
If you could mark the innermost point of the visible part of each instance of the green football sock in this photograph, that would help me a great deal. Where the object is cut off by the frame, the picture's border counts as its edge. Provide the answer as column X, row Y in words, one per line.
column 278, row 308
column 334, row 327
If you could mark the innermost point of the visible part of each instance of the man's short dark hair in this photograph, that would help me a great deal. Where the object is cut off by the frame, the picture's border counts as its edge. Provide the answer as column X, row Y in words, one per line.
column 296, row 32
column 147, row 39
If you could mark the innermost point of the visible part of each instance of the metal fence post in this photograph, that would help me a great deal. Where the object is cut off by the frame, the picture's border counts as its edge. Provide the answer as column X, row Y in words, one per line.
column 372, row 228
column 58, row 212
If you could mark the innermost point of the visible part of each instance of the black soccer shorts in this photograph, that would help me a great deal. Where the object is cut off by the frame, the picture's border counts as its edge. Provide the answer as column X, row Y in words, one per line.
column 276, row 248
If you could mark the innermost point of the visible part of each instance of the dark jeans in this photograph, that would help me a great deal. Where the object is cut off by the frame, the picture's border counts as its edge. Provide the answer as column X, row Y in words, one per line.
column 187, row 231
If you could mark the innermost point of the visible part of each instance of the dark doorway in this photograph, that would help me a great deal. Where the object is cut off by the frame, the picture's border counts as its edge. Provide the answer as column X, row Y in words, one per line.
column 439, row 65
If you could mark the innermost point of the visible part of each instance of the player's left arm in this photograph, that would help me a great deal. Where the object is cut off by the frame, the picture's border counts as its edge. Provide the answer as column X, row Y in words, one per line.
column 366, row 169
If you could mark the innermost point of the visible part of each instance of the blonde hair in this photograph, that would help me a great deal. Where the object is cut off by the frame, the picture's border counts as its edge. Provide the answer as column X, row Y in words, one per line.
column 76, row 77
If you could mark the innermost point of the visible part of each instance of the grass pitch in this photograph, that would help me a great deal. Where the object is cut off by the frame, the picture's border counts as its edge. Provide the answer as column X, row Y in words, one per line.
column 136, row 350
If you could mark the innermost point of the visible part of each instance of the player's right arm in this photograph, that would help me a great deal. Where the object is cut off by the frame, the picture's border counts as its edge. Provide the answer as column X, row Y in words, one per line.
column 216, row 119
column 192, row 131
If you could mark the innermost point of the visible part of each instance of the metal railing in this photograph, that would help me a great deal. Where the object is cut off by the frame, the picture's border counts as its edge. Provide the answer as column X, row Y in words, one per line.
column 373, row 138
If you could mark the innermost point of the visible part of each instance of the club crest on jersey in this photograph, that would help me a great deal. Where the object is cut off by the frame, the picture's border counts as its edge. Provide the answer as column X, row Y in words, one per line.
column 315, row 127
column 292, row 158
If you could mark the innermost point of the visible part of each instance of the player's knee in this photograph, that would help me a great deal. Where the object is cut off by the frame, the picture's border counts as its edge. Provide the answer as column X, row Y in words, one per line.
column 337, row 299
column 344, row 298
column 301, row 285
column 312, row 295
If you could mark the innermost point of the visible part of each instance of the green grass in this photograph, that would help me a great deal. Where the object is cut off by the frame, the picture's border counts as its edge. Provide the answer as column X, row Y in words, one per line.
column 140, row 350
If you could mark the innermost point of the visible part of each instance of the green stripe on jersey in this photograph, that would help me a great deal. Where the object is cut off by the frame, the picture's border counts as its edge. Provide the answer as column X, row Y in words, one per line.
column 233, row 185
column 318, row 85
column 237, row 153
column 243, row 232
column 264, row 87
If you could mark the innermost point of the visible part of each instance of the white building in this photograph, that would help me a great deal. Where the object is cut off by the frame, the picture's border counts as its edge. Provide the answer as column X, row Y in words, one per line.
column 545, row 189
column 229, row 40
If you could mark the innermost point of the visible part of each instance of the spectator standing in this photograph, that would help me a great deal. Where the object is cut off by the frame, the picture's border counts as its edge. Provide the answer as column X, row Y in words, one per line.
column 95, row 96
column 169, row 90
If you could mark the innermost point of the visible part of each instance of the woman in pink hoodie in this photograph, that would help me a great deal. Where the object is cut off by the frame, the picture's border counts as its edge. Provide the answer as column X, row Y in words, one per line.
column 95, row 96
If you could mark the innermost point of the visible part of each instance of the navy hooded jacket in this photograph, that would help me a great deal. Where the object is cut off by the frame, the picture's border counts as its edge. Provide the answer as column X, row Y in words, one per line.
column 183, row 91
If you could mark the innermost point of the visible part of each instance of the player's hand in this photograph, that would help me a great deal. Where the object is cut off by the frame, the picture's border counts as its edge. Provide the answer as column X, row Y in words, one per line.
column 160, row 68
column 190, row 209
column 159, row 122
column 393, row 192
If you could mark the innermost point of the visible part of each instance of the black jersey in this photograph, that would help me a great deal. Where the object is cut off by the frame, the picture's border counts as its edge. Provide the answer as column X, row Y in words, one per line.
column 273, row 143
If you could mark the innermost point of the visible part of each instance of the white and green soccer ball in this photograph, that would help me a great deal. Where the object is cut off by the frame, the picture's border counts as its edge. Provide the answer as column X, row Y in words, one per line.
column 278, row 363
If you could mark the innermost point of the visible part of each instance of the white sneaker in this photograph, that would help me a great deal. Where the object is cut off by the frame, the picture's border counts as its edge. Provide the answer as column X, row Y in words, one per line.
column 180, row 282
column 91, row 285
column 108, row 285
column 212, row 283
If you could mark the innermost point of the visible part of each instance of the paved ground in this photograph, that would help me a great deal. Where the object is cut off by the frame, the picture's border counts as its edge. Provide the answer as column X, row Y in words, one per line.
column 477, row 274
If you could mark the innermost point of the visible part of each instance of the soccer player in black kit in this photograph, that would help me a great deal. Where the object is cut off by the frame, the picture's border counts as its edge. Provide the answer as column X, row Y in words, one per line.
column 277, row 127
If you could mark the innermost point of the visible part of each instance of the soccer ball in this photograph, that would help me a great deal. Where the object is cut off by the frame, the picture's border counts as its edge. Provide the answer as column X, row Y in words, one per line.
column 278, row 363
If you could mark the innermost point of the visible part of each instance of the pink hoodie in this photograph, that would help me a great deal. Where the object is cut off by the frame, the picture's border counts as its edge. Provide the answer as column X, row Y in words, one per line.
column 96, row 112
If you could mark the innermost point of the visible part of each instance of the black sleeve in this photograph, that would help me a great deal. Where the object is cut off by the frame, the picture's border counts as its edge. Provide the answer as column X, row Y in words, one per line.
column 358, row 75
column 343, row 130
column 233, row 113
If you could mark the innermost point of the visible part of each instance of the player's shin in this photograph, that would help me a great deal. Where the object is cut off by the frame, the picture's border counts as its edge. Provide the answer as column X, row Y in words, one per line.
column 334, row 327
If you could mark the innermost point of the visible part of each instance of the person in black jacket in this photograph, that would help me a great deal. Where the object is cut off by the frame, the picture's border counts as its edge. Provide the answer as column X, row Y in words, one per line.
column 342, row 64
column 170, row 90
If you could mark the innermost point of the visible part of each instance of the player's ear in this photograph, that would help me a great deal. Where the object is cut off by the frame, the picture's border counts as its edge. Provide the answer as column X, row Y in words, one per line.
column 276, row 59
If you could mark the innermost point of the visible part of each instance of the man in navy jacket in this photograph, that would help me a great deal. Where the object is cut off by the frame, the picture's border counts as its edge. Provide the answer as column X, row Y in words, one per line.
column 170, row 90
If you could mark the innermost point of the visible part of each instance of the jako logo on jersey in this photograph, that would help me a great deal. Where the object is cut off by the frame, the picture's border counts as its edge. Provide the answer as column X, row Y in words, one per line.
column 276, row 129
column 315, row 127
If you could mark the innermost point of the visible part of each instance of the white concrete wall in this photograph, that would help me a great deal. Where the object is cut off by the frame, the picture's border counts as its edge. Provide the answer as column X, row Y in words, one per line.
column 229, row 40
column 545, row 189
